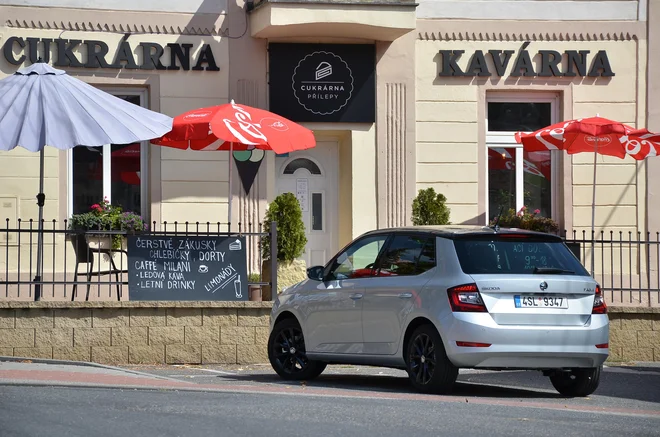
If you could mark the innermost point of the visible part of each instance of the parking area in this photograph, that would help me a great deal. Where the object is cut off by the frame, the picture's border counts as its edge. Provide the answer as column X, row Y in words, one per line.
column 624, row 388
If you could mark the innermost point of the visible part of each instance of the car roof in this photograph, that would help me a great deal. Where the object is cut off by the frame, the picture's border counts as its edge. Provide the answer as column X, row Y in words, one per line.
column 462, row 231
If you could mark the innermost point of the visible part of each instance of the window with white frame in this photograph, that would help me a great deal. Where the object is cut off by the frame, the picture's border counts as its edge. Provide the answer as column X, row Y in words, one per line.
column 516, row 177
column 113, row 171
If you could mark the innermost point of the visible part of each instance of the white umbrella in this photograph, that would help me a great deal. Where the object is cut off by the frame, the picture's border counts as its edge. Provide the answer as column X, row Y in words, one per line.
column 40, row 105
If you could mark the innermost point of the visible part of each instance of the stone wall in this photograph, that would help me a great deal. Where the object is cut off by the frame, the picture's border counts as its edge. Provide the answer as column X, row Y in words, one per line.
column 634, row 334
column 137, row 332
column 208, row 332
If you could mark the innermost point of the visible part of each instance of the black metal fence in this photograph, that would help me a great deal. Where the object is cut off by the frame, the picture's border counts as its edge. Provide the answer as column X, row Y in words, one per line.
column 626, row 264
column 76, row 260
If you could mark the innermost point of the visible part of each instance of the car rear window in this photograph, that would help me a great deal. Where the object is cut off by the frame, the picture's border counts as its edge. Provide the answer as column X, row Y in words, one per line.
column 514, row 254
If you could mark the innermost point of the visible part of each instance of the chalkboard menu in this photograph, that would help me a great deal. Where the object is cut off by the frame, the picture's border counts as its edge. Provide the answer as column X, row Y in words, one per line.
column 187, row 268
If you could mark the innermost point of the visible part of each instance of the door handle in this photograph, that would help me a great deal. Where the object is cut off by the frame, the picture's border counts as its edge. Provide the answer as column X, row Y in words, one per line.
column 356, row 296
column 405, row 295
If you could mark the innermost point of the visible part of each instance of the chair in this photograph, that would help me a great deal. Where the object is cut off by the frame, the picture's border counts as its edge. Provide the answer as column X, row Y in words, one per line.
column 85, row 255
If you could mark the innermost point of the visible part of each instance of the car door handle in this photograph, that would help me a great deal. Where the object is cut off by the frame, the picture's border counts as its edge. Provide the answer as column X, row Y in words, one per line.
column 405, row 295
column 356, row 296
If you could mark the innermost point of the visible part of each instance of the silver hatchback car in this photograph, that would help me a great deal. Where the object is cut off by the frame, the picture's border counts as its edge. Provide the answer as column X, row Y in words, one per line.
column 432, row 300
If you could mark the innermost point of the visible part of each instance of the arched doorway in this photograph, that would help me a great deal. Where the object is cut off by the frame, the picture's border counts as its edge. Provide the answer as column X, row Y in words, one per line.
column 312, row 176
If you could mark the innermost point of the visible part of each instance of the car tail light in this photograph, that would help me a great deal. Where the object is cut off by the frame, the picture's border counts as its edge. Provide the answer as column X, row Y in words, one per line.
column 603, row 346
column 466, row 299
column 600, row 307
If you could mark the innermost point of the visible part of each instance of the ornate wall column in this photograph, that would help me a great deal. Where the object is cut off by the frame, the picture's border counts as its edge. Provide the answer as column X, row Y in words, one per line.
column 395, row 130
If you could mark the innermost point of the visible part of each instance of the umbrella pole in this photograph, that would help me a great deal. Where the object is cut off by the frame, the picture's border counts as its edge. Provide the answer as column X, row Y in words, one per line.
column 41, row 197
column 231, row 187
column 593, row 211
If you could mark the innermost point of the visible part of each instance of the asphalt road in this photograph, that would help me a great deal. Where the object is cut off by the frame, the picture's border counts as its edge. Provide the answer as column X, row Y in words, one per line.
column 35, row 411
column 345, row 401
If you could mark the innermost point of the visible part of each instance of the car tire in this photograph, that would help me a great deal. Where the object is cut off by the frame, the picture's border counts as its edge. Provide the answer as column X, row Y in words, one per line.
column 577, row 382
column 287, row 353
column 428, row 367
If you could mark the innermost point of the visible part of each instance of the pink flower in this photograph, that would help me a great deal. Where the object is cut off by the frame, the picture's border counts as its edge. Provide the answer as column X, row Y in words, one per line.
column 96, row 206
column 537, row 211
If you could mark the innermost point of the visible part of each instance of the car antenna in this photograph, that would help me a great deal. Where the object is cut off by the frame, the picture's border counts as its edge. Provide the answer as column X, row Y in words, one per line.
column 496, row 225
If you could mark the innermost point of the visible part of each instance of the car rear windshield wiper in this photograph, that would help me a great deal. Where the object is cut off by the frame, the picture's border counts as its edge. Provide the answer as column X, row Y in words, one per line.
column 553, row 270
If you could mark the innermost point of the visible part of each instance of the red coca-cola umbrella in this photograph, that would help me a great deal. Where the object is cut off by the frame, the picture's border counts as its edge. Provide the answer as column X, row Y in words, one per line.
column 595, row 135
column 534, row 163
column 233, row 127
column 129, row 169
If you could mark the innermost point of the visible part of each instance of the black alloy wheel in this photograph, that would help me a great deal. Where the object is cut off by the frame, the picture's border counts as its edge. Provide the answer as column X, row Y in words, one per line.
column 576, row 382
column 429, row 369
column 288, row 355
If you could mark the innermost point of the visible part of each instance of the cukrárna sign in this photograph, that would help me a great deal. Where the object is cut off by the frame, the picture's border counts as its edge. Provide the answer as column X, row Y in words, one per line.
column 550, row 63
column 64, row 52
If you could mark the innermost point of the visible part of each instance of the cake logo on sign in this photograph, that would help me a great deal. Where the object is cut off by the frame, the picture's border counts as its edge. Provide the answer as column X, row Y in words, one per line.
column 322, row 83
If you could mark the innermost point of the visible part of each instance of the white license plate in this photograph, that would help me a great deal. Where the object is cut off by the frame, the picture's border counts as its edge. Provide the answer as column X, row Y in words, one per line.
column 527, row 301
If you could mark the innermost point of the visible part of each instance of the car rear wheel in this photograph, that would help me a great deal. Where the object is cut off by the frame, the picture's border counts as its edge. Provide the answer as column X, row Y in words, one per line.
column 428, row 367
column 577, row 382
column 287, row 353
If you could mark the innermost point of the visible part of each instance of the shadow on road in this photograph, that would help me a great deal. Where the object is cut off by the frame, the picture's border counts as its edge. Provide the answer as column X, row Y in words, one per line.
column 394, row 384
column 633, row 383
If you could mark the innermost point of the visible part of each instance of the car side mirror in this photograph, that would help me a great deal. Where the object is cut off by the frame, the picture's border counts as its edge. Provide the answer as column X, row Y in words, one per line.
column 315, row 273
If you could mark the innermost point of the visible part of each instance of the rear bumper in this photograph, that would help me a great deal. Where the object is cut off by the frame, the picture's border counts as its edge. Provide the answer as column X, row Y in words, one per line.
column 524, row 347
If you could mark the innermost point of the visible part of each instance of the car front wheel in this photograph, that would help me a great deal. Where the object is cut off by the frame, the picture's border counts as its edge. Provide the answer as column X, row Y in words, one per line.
column 429, row 369
column 576, row 382
column 288, row 355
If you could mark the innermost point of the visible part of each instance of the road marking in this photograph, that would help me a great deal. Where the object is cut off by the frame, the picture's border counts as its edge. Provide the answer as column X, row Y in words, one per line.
column 221, row 372
column 192, row 376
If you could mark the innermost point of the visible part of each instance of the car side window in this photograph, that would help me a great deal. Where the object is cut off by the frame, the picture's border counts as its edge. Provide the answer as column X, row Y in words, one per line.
column 358, row 260
column 407, row 255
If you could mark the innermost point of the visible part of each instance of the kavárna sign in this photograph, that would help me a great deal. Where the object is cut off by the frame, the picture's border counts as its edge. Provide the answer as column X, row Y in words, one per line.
column 96, row 54
column 551, row 63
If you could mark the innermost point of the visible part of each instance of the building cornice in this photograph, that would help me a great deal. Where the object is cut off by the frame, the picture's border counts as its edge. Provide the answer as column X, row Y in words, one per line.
column 475, row 30
column 83, row 20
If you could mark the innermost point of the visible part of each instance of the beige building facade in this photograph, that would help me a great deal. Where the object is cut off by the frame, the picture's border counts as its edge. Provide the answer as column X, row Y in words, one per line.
column 435, row 104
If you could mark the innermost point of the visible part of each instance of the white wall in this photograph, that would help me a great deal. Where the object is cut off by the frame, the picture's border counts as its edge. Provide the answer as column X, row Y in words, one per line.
column 180, row 6
column 587, row 10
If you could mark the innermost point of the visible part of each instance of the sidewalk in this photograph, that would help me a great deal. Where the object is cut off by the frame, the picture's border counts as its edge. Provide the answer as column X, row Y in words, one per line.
column 80, row 374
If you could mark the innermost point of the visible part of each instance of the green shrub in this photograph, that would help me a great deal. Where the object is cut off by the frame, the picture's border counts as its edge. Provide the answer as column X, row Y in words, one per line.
column 291, row 240
column 429, row 208
column 523, row 219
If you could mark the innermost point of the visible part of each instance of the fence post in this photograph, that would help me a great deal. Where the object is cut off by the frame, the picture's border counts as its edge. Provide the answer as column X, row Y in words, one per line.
column 273, row 260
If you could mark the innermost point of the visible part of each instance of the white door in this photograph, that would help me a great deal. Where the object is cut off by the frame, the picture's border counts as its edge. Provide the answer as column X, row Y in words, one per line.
column 312, row 175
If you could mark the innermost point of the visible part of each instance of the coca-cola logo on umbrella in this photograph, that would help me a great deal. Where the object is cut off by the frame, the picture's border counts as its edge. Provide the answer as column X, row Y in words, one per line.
column 601, row 140
column 195, row 115
column 274, row 124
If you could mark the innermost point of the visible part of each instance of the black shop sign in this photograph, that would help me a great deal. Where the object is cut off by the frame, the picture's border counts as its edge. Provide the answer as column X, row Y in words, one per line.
column 187, row 268
column 323, row 82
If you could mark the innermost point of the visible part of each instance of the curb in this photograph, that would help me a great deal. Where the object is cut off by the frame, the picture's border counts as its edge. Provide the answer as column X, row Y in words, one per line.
column 84, row 364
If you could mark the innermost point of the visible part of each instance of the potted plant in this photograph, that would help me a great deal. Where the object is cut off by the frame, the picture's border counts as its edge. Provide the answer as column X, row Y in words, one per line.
column 429, row 208
column 524, row 219
column 286, row 212
column 253, row 287
column 106, row 217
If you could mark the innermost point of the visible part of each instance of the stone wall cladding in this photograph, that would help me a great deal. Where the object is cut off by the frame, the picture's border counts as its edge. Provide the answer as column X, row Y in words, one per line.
column 137, row 332
column 208, row 332
column 634, row 334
